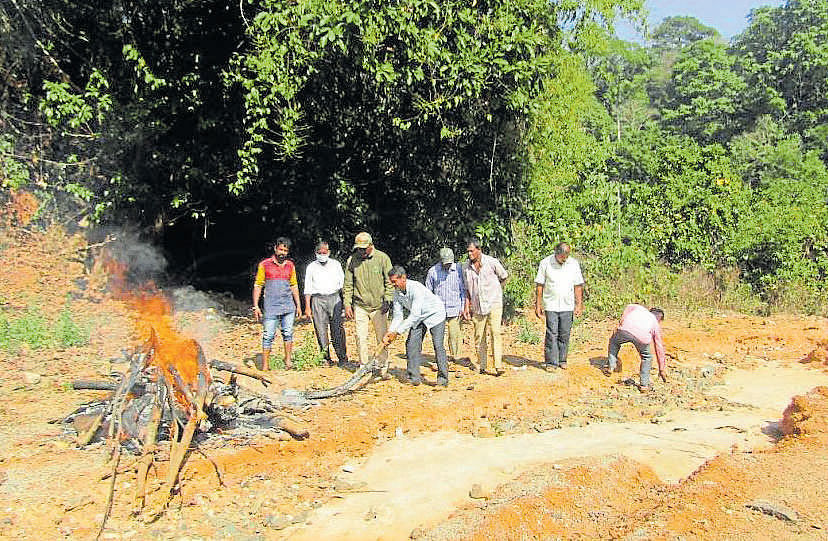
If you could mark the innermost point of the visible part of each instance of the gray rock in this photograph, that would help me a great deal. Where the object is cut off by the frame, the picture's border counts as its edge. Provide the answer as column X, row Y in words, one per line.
column 779, row 511
column 708, row 371
column 614, row 415
column 276, row 522
column 31, row 378
column 477, row 492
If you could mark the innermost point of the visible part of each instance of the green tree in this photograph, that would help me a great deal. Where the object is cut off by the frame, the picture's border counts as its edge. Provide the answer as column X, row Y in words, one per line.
column 784, row 56
column 702, row 97
column 679, row 31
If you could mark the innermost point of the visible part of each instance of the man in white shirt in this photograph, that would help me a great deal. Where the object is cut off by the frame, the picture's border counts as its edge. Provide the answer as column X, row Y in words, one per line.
column 425, row 312
column 323, row 302
column 559, row 290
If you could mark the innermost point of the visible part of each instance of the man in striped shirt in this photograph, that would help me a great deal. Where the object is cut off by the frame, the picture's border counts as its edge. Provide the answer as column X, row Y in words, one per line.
column 445, row 279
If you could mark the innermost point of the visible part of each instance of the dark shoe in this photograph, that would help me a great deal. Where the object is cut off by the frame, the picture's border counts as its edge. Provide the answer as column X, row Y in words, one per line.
column 606, row 370
column 499, row 373
column 442, row 382
column 483, row 370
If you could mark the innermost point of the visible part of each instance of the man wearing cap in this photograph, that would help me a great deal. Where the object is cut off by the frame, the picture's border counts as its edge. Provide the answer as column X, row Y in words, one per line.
column 559, row 289
column 367, row 295
column 425, row 313
column 323, row 302
column 445, row 279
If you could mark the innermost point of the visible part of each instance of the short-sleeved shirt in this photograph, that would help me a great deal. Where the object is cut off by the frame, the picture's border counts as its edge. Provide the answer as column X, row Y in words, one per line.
column 644, row 327
column 483, row 287
column 277, row 281
column 323, row 278
column 559, row 283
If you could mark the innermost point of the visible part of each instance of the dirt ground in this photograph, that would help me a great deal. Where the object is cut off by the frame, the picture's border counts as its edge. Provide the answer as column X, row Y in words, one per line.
column 529, row 455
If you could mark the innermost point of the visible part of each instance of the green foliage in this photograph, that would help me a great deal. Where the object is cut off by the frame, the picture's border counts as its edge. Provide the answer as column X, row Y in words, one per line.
column 444, row 57
column 308, row 354
column 526, row 333
column 33, row 329
column 702, row 96
column 679, row 31
column 68, row 333
column 13, row 173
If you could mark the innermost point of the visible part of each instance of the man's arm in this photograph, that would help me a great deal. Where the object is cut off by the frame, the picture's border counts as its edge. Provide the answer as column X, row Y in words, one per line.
column 500, row 270
column 579, row 299
column 257, row 291
column 294, row 289
column 389, row 287
column 658, row 343
column 539, row 300
column 348, row 289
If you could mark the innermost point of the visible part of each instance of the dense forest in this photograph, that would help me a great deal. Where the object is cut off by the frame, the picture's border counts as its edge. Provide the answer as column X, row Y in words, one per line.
column 686, row 167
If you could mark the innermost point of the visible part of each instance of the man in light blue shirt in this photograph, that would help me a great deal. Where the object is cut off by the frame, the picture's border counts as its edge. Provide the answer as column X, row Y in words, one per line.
column 425, row 312
column 445, row 279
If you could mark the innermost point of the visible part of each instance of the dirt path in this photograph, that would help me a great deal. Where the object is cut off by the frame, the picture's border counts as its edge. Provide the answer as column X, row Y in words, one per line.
column 416, row 482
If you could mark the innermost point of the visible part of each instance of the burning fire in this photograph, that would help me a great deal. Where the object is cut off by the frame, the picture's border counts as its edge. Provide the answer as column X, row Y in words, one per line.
column 178, row 358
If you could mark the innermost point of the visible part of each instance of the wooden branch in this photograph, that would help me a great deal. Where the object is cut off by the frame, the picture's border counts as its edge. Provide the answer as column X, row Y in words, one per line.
column 297, row 430
column 243, row 370
column 150, row 443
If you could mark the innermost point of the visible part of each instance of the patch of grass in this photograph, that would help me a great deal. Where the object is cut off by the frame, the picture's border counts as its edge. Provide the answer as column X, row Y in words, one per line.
column 526, row 334
column 306, row 355
column 34, row 330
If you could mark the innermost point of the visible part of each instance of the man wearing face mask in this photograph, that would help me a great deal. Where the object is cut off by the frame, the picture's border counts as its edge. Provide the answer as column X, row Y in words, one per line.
column 367, row 296
column 323, row 302
column 276, row 275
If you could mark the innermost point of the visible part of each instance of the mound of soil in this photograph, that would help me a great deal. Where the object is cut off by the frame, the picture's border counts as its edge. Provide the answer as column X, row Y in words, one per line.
column 819, row 355
column 807, row 414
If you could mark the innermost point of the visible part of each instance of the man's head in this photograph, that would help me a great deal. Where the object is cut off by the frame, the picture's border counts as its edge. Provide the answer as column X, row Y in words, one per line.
column 322, row 252
column 473, row 249
column 397, row 277
column 561, row 252
column 658, row 313
column 446, row 257
column 363, row 244
column 281, row 248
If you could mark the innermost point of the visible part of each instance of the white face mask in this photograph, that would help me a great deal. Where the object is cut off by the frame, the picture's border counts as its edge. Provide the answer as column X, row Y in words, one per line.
column 322, row 258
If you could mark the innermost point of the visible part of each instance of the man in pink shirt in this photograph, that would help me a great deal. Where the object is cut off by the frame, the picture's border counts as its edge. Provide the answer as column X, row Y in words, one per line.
column 642, row 327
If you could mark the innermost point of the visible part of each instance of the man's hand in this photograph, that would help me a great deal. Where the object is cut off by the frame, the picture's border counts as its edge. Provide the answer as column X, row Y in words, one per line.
column 466, row 314
column 663, row 376
column 388, row 338
column 257, row 313
column 579, row 309
column 539, row 311
column 349, row 312
column 308, row 313
column 298, row 312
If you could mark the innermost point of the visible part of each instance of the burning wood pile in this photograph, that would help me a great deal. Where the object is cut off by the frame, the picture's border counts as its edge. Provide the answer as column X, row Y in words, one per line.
column 168, row 393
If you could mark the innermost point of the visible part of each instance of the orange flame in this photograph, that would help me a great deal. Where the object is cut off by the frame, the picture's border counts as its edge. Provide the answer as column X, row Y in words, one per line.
column 167, row 349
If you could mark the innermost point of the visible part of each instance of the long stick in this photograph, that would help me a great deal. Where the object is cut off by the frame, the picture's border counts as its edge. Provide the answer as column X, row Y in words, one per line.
column 150, row 438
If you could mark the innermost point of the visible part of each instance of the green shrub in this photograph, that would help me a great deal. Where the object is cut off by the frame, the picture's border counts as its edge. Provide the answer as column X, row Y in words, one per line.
column 34, row 330
column 526, row 333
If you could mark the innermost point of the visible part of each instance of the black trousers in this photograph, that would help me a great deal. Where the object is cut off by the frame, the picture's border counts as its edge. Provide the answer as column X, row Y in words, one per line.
column 414, row 349
column 556, row 344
